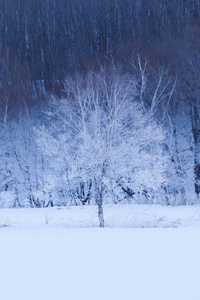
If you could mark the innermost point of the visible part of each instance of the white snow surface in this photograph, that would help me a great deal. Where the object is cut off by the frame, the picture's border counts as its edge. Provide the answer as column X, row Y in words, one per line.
column 42, row 258
column 116, row 216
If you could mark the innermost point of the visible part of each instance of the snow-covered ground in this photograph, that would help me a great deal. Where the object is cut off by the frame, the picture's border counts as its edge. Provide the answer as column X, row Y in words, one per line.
column 116, row 216
column 41, row 258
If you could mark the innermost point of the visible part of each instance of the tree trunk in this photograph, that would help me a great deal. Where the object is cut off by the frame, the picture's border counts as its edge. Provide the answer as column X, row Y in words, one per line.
column 100, row 207
column 196, row 135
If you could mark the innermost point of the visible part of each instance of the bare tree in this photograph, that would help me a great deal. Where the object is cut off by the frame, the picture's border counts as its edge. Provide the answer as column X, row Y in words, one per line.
column 105, row 135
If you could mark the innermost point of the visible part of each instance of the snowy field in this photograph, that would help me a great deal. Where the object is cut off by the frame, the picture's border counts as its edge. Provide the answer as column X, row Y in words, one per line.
column 43, row 258
column 116, row 216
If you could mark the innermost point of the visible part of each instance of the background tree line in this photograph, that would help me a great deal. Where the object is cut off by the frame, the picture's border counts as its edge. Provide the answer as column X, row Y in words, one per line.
column 155, row 44
column 51, row 37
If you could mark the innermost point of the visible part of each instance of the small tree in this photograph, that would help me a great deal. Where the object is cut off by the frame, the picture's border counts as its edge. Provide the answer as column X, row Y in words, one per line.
column 105, row 136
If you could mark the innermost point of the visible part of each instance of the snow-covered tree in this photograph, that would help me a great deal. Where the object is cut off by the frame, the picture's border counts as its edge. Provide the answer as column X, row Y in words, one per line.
column 104, row 138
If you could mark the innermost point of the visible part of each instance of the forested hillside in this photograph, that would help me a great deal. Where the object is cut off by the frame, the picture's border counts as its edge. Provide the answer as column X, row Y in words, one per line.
column 53, row 37
column 99, row 102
